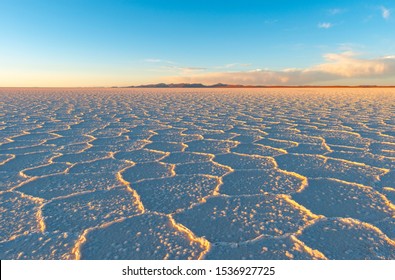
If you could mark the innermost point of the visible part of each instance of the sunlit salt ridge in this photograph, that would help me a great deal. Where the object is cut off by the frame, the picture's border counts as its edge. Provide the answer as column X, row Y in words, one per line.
column 197, row 173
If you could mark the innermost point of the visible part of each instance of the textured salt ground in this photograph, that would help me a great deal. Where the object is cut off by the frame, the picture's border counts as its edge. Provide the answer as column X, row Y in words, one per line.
column 76, row 213
column 99, row 166
column 168, row 195
column 18, row 215
column 150, row 170
column 185, row 157
column 237, row 219
column 10, row 179
column 142, row 237
column 211, row 146
column 256, row 149
column 264, row 249
column 277, row 170
column 316, row 166
column 209, row 168
column 20, row 162
column 54, row 186
column 166, row 146
column 48, row 169
column 39, row 246
column 241, row 161
column 348, row 239
column 140, row 156
column 333, row 198
column 249, row 182
column 80, row 157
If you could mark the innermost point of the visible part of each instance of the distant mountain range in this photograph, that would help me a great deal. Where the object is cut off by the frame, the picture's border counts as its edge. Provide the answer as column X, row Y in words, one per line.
column 219, row 85
column 182, row 85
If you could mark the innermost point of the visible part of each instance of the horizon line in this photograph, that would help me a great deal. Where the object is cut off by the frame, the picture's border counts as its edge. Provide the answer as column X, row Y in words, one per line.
column 211, row 86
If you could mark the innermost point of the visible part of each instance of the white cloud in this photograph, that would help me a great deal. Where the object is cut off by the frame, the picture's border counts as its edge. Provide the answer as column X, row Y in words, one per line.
column 325, row 25
column 337, row 66
column 385, row 13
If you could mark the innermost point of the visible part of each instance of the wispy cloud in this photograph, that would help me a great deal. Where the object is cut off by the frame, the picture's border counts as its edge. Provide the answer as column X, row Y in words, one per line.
column 158, row 60
column 168, row 65
column 325, row 25
column 336, row 11
column 337, row 66
column 385, row 13
column 233, row 65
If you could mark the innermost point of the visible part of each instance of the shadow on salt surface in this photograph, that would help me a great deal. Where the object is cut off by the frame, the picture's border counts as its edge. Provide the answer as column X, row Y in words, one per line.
column 273, row 181
column 39, row 246
column 348, row 239
column 333, row 198
column 168, row 195
column 78, row 212
column 238, row 219
column 144, row 237
column 148, row 170
column 17, row 215
column 66, row 184
column 264, row 249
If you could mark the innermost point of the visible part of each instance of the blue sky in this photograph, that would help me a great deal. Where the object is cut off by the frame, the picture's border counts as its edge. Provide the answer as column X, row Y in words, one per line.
column 106, row 43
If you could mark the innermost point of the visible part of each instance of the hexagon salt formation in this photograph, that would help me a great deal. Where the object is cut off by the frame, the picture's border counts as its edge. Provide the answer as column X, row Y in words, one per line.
column 168, row 195
column 61, row 185
column 333, row 198
column 147, row 236
column 238, row 219
column 274, row 181
column 39, row 246
column 347, row 239
column 17, row 215
column 79, row 212
column 264, row 249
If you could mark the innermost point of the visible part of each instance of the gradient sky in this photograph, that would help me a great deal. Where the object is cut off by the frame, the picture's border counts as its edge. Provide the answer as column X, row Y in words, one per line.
column 120, row 43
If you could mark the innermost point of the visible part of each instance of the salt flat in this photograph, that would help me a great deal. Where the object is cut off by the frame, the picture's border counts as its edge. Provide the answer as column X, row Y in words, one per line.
column 197, row 173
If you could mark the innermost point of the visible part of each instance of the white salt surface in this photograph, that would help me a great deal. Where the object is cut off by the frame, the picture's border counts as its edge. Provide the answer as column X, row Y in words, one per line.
column 197, row 173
